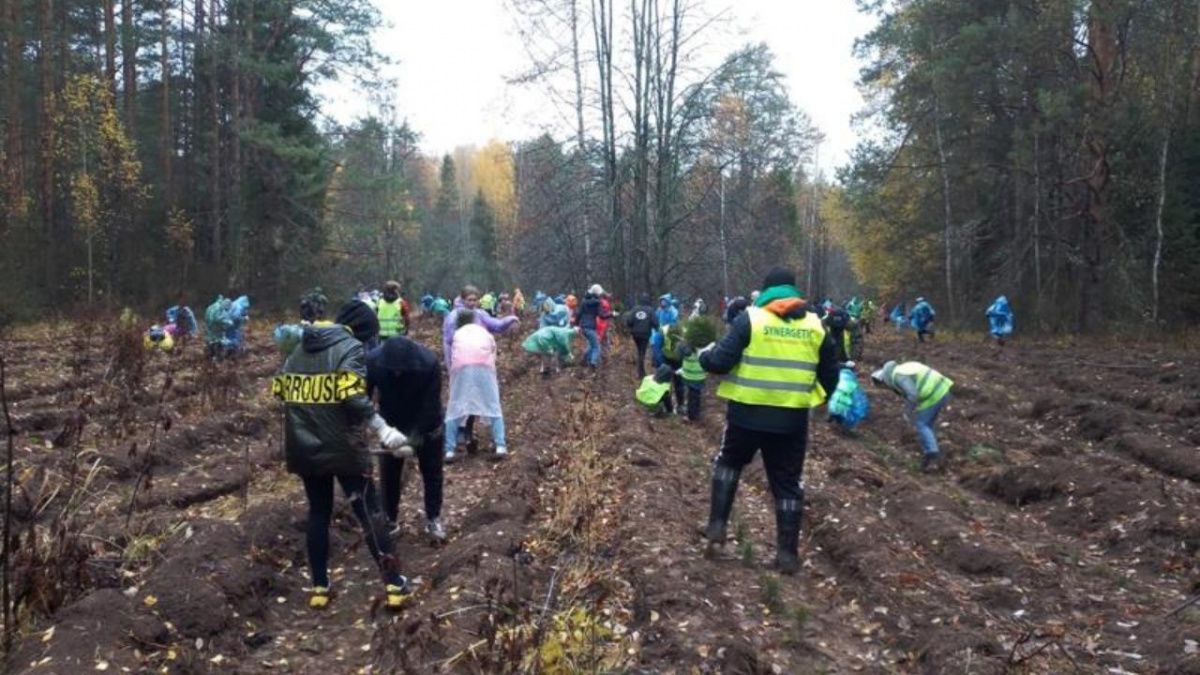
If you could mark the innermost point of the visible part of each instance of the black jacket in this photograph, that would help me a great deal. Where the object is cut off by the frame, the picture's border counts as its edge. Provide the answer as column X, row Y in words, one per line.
column 728, row 352
column 324, row 386
column 408, row 379
column 590, row 309
column 641, row 321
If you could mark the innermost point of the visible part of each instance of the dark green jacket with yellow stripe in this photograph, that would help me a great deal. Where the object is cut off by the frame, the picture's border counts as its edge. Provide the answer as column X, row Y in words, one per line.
column 324, row 386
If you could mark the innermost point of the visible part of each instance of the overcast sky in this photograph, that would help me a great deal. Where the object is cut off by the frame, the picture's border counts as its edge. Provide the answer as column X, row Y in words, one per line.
column 452, row 58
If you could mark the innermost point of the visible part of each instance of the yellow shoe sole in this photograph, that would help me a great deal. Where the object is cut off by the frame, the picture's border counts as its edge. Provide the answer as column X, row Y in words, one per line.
column 397, row 597
column 319, row 598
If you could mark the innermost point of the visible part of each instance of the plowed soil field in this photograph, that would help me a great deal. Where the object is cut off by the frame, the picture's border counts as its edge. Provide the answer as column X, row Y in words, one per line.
column 155, row 530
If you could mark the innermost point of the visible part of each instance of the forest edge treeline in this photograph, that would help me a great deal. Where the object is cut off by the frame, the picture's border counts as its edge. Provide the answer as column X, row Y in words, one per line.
column 154, row 149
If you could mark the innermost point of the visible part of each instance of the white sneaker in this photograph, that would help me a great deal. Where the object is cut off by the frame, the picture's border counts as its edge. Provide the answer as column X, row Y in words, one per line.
column 450, row 456
column 435, row 530
column 501, row 451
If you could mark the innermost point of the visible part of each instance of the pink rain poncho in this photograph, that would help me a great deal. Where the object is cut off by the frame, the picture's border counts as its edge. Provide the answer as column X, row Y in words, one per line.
column 474, row 389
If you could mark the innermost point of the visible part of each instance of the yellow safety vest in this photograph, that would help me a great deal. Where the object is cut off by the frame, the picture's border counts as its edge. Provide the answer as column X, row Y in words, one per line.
column 391, row 320
column 932, row 386
column 779, row 366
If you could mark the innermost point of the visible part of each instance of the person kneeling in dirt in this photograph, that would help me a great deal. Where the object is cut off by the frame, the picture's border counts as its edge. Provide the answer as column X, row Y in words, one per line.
column 474, row 388
column 926, row 391
column 780, row 363
column 324, row 386
column 408, row 380
column 654, row 392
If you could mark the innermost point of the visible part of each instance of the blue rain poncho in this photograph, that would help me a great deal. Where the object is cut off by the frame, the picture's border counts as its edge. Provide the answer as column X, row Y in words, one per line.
column 224, row 323
column 897, row 316
column 558, row 317
column 1000, row 318
column 184, row 320
column 922, row 315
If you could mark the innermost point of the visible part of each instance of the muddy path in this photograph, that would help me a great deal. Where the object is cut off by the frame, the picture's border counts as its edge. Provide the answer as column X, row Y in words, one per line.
column 158, row 531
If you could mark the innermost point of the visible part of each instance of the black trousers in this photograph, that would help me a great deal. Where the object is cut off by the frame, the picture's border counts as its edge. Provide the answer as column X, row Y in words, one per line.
column 431, row 460
column 360, row 490
column 694, row 395
column 642, row 344
column 677, row 383
column 783, row 457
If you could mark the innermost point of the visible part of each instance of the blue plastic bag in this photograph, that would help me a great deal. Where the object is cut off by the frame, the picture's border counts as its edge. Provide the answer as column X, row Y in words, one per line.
column 849, row 405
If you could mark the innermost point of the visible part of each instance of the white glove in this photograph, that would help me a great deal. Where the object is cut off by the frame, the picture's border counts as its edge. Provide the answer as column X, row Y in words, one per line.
column 392, row 439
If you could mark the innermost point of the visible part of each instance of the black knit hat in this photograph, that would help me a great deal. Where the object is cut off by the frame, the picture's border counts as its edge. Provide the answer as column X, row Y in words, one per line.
column 779, row 276
column 360, row 319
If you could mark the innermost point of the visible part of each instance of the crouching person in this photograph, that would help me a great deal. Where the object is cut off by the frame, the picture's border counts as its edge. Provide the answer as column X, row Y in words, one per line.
column 654, row 392
column 323, row 385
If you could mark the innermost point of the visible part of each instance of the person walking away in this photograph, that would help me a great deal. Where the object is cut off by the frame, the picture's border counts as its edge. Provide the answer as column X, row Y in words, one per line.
column 921, row 319
column 666, row 315
column 654, row 391
column 641, row 322
column 780, row 363
column 588, row 318
column 552, row 345
column 1000, row 320
column 406, row 378
column 474, row 388
column 837, row 324
column 926, row 392
column 392, row 312
column 323, row 386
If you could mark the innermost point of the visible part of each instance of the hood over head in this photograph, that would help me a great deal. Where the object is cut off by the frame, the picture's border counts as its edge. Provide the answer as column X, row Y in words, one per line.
column 358, row 316
column 883, row 376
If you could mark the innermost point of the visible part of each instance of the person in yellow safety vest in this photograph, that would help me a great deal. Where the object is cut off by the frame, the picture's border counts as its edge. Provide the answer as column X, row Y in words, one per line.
column 392, row 312
column 655, row 391
column 926, row 391
column 780, row 362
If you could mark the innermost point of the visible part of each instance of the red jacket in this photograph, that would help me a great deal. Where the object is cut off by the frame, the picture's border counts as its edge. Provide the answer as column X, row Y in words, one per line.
column 603, row 320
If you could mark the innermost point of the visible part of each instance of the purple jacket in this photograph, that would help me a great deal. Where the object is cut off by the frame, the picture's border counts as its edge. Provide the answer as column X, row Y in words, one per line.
column 482, row 318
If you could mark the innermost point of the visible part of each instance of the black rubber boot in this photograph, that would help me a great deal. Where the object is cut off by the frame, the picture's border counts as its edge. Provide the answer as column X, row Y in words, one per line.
column 788, row 514
column 724, row 488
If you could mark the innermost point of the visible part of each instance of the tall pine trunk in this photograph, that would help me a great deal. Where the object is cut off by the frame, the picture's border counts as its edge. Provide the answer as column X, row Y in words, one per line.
column 167, row 142
column 129, row 51
column 14, row 151
column 110, row 46
column 1104, row 55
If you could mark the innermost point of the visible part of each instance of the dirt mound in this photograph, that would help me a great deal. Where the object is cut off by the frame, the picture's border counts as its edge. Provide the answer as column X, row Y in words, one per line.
column 1160, row 454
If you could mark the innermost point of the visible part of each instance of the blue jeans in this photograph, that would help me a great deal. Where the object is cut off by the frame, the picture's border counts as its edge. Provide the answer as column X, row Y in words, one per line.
column 452, row 432
column 924, row 421
column 593, row 350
